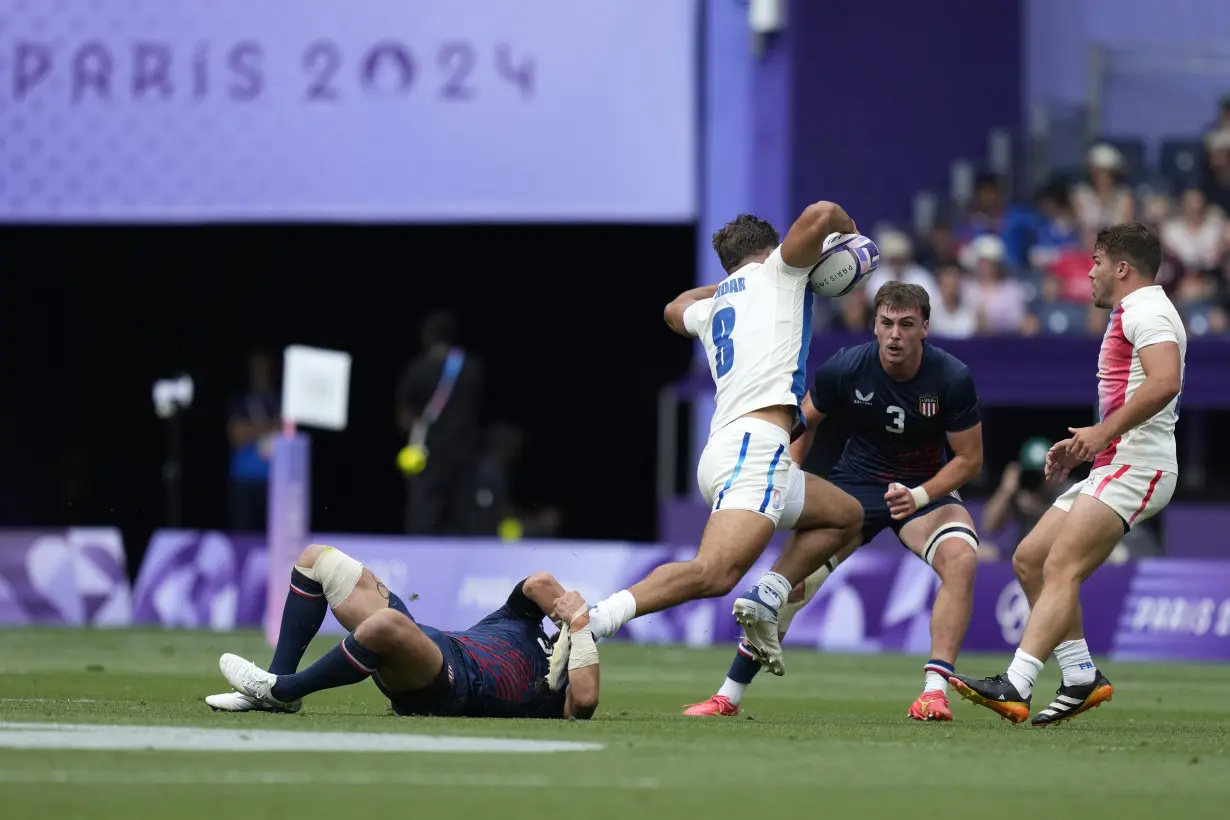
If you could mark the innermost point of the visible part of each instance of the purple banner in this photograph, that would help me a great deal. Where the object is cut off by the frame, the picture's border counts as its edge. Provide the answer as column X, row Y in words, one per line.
column 1188, row 529
column 489, row 110
column 73, row 577
column 878, row 601
column 202, row 580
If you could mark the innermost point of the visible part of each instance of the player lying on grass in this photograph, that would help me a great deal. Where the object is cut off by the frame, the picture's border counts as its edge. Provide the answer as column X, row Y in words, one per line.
column 905, row 402
column 499, row 668
column 1135, row 470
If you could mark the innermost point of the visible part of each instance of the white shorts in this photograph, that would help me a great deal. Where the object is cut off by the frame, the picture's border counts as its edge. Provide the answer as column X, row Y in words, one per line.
column 1135, row 493
column 746, row 466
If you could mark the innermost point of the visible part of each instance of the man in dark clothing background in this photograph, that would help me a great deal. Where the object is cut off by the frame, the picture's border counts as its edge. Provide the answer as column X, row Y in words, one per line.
column 438, row 403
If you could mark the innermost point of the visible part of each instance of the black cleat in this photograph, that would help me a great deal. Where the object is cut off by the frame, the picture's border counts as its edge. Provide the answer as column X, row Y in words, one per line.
column 997, row 694
column 1071, row 700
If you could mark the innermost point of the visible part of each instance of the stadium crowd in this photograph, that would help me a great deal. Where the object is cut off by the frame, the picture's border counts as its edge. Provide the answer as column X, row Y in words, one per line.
column 1001, row 268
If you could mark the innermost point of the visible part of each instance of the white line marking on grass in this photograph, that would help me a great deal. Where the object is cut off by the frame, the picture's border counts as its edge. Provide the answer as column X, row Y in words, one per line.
column 47, row 700
column 196, row 739
column 120, row 777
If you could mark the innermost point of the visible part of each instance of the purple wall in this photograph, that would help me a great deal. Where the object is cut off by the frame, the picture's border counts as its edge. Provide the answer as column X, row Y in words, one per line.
column 887, row 94
column 1159, row 102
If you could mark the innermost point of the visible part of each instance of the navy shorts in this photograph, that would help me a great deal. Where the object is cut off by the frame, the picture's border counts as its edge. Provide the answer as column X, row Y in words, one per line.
column 876, row 516
column 448, row 695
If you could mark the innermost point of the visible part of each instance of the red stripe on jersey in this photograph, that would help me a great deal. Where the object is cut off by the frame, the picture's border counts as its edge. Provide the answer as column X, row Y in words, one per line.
column 1114, row 367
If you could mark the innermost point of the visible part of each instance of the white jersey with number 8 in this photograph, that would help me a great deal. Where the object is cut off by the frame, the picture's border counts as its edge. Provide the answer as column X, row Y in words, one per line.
column 756, row 330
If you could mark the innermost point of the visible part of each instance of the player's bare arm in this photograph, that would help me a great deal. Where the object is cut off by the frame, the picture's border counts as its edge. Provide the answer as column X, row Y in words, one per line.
column 1163, row 380
column 581, row 700
column 964, row 466
column 805, row 239
column 673, row 314
column 801, row 446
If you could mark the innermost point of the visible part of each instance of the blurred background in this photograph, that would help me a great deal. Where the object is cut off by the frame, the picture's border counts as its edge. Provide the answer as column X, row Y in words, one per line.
column 486, row 205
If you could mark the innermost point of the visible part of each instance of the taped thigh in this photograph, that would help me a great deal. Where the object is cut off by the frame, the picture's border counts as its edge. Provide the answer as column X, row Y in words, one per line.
column 953, row 529
column 337, row 573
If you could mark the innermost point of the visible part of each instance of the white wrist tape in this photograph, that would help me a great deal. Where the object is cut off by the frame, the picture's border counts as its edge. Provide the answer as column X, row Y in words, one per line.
column 921, row 499
column 584, row 651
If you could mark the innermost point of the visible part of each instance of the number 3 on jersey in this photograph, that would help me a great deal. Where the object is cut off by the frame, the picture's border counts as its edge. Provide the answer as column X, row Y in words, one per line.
column 724, row 346
column 898, row 425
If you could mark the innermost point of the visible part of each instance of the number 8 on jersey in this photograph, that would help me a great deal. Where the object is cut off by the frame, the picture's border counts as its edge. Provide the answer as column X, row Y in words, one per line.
column 723, row 344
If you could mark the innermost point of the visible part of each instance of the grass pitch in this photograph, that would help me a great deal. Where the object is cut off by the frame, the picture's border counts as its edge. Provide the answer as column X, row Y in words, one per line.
column 830, row 738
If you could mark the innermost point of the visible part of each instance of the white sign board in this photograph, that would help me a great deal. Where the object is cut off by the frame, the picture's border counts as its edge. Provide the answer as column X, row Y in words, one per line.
column 316, row 387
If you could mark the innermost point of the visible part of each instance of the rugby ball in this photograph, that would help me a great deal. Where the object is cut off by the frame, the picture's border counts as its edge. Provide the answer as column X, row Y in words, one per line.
column 846, row 260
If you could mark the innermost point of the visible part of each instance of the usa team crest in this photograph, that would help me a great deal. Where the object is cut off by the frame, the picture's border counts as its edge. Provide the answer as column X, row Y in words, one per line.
column 929, row 405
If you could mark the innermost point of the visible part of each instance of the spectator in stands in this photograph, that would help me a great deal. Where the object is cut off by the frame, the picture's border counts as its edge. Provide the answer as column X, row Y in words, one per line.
column 1104, row 199
column 940, row 247
column 1172, row 272
column 998, row 299
column 1070, row 270
column 1195, row 234
column 1155, row 210
column 1023, row 495
column 856, row 311
column 1055, row 230
column 1051, row 313
column 439, row 398
column 897, row 265
column 254, row 420
column 987, row 210
column 493, row 478
column 497, row 512
column 1217, row 171
column 952, row 314
column 1221, row 125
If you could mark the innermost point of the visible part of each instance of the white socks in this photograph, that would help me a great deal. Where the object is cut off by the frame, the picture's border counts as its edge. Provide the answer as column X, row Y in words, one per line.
column 733, row 691
column 1075, row 661
column 935, row 682
column 609, row 615
column 774, row 590
column 1024, row 672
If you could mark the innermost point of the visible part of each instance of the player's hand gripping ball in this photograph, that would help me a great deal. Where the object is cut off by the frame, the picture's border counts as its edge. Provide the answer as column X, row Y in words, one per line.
column 846, row 260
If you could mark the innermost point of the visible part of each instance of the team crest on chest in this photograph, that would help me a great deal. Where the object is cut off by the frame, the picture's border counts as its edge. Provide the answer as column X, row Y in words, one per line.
column 928, row 405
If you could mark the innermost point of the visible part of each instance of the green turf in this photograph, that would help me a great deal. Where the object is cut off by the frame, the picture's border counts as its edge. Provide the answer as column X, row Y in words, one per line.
column 829, row 738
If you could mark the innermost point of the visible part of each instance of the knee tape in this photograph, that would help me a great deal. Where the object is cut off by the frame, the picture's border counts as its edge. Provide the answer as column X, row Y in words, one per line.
column 337, row 573
column 953, row 529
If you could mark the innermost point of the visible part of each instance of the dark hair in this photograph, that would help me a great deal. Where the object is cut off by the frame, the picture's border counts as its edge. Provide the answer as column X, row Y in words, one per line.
column 900, row 296
column 1056, row 192
column 439, row 328
column 986, row 179
column 742, row 237
column 1133, row 243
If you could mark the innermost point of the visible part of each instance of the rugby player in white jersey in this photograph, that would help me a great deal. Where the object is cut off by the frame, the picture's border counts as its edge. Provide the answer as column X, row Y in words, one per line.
column 1134, row 472
column 756, row 329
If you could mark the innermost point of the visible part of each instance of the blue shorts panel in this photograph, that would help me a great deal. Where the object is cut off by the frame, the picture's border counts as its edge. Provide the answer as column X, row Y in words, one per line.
column 876, row 517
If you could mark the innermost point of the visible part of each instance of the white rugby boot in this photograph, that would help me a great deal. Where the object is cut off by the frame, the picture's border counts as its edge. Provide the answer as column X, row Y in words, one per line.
column 758, row 618
column 240, row 702
column 256, row 683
